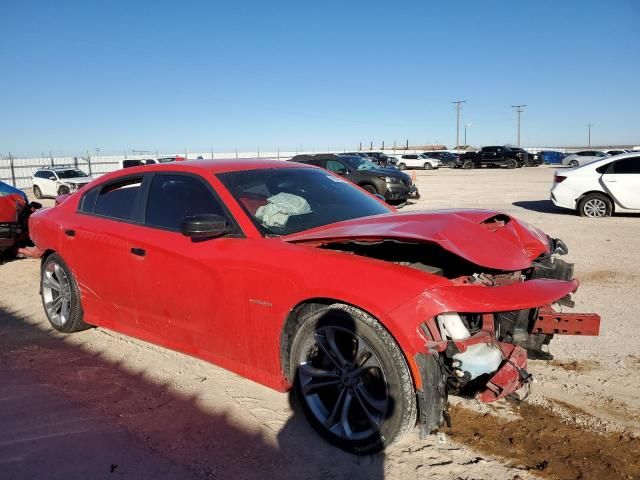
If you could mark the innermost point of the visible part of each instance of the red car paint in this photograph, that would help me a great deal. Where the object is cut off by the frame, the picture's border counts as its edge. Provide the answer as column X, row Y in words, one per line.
column 226, row 300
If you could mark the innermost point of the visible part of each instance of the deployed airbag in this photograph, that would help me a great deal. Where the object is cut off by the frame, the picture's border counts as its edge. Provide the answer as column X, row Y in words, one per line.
column 280, row 207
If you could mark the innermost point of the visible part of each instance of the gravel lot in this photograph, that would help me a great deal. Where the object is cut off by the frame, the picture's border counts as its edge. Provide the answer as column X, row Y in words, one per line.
column 99, row 405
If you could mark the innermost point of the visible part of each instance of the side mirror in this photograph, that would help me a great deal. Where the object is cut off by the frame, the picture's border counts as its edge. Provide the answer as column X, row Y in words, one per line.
column 343, row 171
column 204, row 226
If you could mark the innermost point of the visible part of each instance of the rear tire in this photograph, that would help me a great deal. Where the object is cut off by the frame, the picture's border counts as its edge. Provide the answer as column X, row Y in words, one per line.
column 574, row 164
column 595, row 205
column 60, row 296
column 352, row 380
column 37, row 192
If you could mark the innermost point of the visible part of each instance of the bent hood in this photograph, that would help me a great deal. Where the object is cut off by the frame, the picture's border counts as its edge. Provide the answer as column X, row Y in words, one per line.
column 487, row 238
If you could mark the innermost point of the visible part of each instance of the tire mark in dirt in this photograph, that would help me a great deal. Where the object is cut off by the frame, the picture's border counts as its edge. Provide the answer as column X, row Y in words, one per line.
column 541, row 442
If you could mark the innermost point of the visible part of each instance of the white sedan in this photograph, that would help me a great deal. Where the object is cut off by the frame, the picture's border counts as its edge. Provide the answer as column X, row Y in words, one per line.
column 600, row 188
column 582, row 158
column 417, row 161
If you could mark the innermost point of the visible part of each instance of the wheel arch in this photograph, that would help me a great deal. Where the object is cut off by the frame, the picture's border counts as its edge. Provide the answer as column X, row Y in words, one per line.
column 600, row 192
column 312, row 305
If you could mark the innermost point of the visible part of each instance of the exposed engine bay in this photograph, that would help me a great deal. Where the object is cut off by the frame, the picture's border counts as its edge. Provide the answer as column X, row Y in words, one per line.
column 516, row 327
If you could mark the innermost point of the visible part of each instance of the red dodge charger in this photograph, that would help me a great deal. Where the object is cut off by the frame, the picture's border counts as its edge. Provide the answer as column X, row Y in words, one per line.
column 295, row 278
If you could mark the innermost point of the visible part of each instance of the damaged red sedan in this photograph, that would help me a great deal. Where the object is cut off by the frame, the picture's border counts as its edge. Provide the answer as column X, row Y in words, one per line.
column 295, row 278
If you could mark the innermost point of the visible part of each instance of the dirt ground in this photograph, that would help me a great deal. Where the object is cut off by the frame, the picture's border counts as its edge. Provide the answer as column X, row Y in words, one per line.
column 99, row 405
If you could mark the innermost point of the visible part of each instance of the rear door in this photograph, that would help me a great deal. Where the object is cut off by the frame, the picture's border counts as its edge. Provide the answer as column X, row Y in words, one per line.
column 622, row 181
column 94, row 243
column 189, row 293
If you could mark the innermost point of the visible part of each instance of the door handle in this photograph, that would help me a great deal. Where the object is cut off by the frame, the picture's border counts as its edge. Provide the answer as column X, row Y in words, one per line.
column 611, row 181
column 70, row 233
column 138, row 251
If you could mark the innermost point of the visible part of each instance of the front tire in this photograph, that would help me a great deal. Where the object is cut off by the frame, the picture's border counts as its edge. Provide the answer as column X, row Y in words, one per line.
column 595, row 205
column 370, row 188
column 60, row 296
column 428, row 166
column 512, row 164
column 351, row 380
column 63, row 190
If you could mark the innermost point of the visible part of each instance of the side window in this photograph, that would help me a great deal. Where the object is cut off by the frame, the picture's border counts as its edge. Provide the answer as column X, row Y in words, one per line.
column 628, row 165
column 173, row 197
column 131, row 163
column 118, row 200
column 336, row 167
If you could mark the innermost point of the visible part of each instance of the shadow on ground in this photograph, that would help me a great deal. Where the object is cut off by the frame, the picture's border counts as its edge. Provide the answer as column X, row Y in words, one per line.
column 542, row 206
column 68, row 413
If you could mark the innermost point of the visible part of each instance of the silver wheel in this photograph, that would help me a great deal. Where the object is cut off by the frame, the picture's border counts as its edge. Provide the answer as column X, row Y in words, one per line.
column 574, row 163
column 56, row 293
column 595, row 207
column 343, row 383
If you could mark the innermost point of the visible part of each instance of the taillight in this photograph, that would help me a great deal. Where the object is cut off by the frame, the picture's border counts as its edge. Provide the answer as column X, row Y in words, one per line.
column 559, row 178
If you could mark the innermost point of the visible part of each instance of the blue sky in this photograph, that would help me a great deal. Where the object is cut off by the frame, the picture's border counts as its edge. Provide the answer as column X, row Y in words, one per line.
column 122, row 75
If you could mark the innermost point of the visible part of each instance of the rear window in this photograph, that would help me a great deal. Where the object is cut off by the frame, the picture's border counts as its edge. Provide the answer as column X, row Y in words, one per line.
column 118, row 200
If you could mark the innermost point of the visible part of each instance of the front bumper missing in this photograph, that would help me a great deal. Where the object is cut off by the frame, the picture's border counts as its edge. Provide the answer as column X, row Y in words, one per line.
column 507, row 379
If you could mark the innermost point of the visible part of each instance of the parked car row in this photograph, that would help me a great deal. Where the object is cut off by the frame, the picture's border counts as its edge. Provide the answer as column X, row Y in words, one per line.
column 390, row 183
column 499, row 156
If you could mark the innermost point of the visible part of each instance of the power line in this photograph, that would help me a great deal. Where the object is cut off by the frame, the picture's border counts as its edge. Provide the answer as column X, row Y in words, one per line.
column 519, row 109
column 458, row 104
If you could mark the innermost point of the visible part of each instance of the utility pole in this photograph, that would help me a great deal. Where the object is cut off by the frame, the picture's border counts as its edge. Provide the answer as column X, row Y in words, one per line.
column 519, row 109
column 458, row 104
column 589, row 125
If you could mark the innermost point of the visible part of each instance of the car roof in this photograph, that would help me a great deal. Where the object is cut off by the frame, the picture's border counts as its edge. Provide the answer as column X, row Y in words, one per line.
column 208, row 166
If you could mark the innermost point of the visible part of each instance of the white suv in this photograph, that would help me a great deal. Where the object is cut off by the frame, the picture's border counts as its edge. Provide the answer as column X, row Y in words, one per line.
column 417, row 161
column 600, row 188
column 54, row 181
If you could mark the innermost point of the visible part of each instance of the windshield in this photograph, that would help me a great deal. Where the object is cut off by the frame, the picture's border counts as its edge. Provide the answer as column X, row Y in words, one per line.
column 281, row 201
column 71, row 173
column 359, row 163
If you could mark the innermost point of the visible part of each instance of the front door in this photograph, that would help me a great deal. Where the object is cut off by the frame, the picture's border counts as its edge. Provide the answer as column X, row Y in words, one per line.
column 188, row 292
